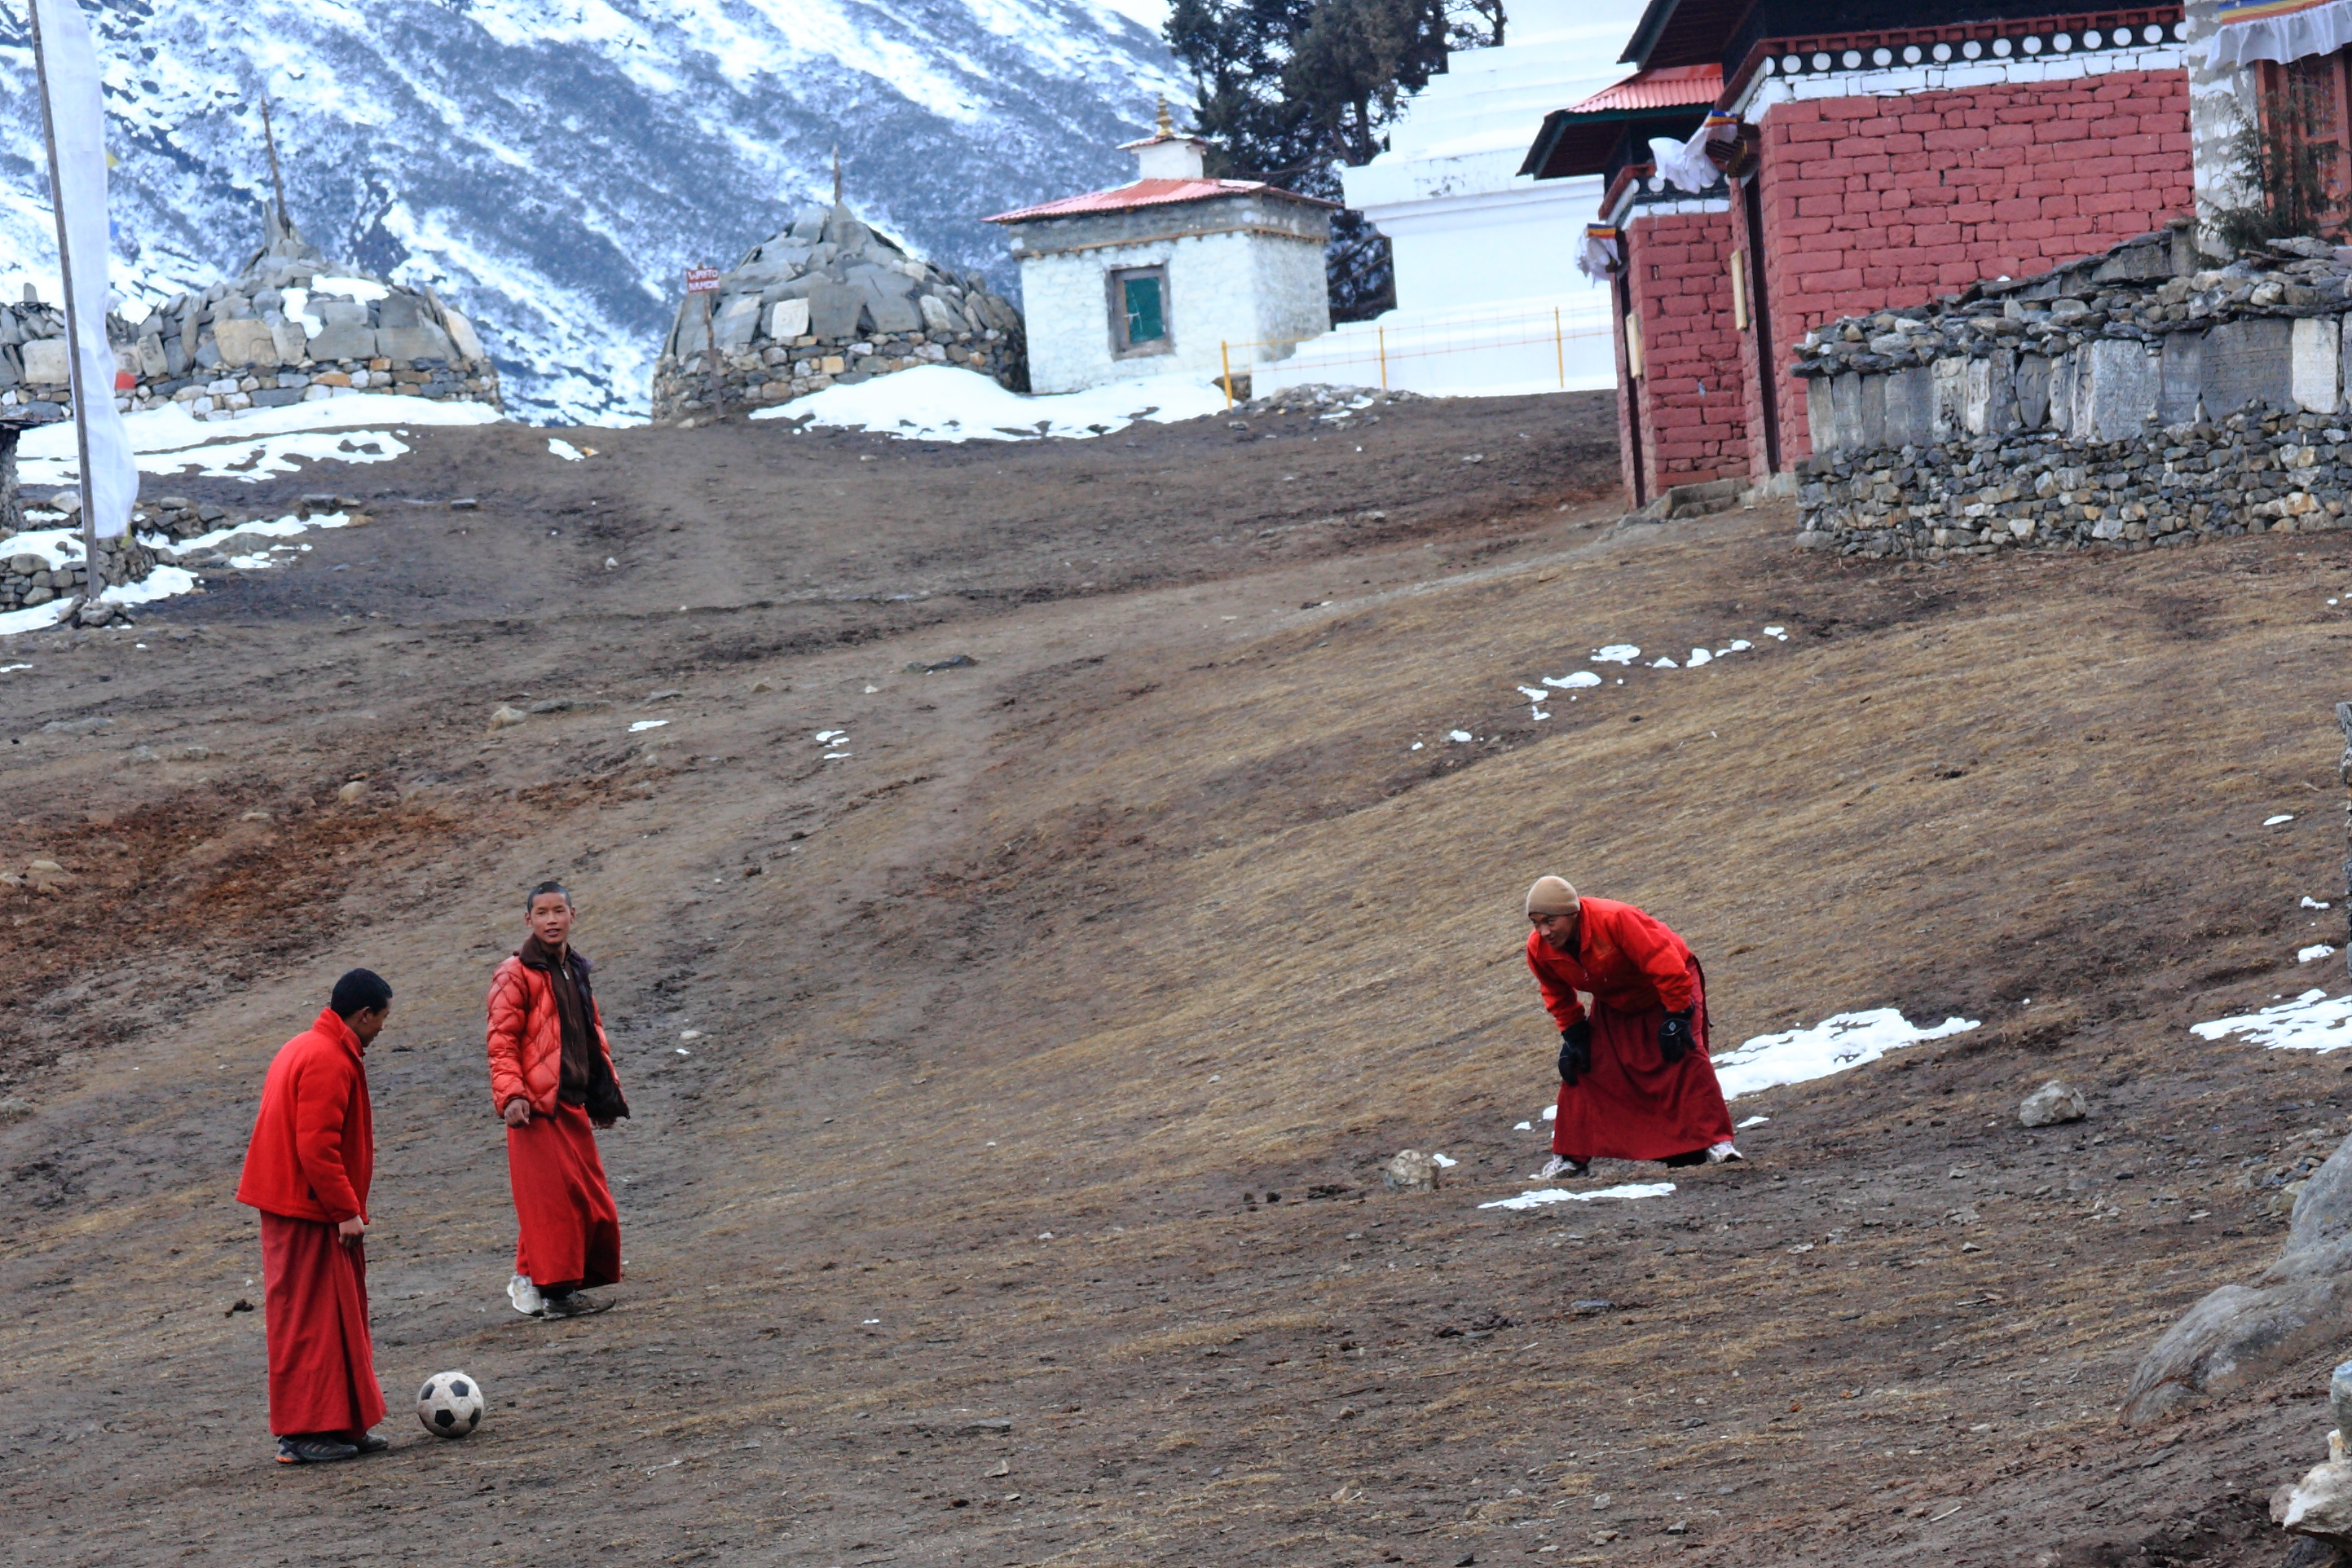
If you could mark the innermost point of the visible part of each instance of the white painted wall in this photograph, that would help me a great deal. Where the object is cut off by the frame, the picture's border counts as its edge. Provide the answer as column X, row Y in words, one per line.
column 1222, row 288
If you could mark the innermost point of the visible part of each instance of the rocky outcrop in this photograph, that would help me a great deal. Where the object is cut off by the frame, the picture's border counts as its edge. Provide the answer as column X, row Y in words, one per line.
column 292, row 327
column 827, row 302
column 2300, row 1307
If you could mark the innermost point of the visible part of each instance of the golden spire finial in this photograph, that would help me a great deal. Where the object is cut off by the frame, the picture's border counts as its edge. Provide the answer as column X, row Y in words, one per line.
column 1165, row 126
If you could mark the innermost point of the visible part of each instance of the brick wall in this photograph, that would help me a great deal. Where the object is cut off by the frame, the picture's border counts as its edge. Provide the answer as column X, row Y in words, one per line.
column 1872, row 202
column 1693, row 415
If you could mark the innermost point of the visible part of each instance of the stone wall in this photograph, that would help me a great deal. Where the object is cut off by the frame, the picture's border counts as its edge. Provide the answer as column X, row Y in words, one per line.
column 828, row 301
column 2132, row 399
column 291, row 327
column 1881, row 200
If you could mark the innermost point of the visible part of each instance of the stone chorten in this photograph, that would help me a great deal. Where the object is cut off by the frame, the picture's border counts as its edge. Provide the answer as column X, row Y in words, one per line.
column 829, row 301
column 294, row 327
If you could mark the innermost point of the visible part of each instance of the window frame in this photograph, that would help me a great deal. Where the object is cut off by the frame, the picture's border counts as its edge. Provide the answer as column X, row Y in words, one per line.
column 1115, row 281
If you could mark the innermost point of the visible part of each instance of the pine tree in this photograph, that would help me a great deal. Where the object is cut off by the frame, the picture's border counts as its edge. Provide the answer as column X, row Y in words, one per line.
column 1289, row 90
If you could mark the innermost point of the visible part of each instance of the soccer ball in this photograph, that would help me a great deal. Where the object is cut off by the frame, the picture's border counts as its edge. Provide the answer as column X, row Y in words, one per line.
column 450, row 1404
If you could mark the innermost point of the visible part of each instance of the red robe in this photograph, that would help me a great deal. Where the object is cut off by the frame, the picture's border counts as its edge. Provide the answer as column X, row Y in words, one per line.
column 569, row 1230
column 1632, row 1104
column 307, row 1168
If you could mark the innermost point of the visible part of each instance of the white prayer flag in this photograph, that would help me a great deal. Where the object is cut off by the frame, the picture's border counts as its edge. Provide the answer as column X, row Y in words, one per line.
column 77, row 115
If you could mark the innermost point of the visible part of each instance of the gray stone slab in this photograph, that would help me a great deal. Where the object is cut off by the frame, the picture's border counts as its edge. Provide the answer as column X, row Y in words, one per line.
column 2176, row 397
column 834, row 310
column 890, row 307
column 2061, row 394
column 339, row 340
column 1820, row 424
column 44, row 362
column 340, row 313
column 2247, row 362
column 2316, row 347
column 424, row 341
column 1873, row 413
column 276, row 396
column 2033, row 384
column 2115, row 389
column 737, row 320
column 1910, row 406
column 1952, row 398
column 290, row 340
column 400, row 310
column 1846, row 410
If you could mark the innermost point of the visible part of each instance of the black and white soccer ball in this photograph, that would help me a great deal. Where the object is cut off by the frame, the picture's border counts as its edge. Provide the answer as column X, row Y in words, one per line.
column 450, row 1404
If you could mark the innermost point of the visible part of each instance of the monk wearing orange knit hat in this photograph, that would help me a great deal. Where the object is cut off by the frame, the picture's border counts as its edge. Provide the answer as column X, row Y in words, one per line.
column 1636, row 1080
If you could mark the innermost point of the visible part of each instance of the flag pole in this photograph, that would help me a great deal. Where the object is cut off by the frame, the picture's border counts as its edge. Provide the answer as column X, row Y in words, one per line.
column 91, row 582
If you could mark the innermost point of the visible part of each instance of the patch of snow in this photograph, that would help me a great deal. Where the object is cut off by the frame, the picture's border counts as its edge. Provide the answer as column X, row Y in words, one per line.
column 1740, row 645
column 1460, row 737
column 1442, row 1161
column 1699, row 656
column 827, row 737
column 1522, row 1126
column 644, row 724
column 1544, row 1195
column 1781, row 633
column 1551, row 1111
column 2316, row 950
column 255, row 443
column 160, row 583
column 1416, row 745
column 12, row 668
column 1532, row 693
column 1752, row 1121
column 1616, row 653
column 60, row 547
column 34, row 617
column 833, row 756
column 2275, row 821
column 1833, row 1045
column 934, row 403
column 2313, row 1021
column 564, row 449
column 2308, row 901
column 1663, row 664
column 1578, row 680
column 269, row 528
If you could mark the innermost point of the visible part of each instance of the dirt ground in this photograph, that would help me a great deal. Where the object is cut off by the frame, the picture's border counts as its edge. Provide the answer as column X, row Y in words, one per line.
column 1009, row 1089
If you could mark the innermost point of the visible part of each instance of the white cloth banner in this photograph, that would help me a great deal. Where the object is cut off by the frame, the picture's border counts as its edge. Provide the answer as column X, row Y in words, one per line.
column 2282, row 36
column 77, row 109
column 1685, row 164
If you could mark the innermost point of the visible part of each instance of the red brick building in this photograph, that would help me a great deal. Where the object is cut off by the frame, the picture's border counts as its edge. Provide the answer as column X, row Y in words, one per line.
column 1884, row 154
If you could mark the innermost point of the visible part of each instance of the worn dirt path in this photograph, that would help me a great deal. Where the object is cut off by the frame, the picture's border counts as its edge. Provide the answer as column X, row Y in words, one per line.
column 967, row 1066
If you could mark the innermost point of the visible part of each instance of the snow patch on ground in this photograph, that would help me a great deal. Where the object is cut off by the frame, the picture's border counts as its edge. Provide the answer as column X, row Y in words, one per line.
column 1752, row 1121
column 2317, row 950
column 1544, row 1195
column 254, row 444
column 1833, row 1045
column 2313, row 1021
column 934, row 403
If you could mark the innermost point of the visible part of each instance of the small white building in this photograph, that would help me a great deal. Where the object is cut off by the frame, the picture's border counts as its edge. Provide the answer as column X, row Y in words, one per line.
column 1173, row 273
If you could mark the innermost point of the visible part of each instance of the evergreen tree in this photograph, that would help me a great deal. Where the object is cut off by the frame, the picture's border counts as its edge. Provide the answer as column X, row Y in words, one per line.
column 1289, row 90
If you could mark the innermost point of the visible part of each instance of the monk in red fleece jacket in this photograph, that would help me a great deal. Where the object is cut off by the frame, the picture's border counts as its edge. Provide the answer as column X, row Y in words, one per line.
column 1636, row 1080
column 307, row 1170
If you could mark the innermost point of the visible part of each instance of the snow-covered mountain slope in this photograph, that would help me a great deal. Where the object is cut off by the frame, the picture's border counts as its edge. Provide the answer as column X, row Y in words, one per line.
column 551, row 166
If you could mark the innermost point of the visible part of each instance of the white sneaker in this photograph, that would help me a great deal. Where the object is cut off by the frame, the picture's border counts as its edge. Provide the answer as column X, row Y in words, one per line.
column 1724, row 1151
column 525, row 1296
column 1561, row 1165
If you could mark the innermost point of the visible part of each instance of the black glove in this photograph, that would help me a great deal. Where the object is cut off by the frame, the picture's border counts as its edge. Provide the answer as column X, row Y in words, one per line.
column 1674, row 1034
column 1575, row 1050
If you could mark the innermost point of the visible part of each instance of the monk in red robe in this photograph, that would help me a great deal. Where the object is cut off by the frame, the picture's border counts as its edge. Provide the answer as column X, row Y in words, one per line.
column 552, row 1079
column 1636, row 1080
column 307, row 1170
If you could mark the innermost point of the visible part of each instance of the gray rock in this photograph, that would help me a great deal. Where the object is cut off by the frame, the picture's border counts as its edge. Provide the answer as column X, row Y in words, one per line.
column 342, row 340
column 502, row 716
column 400, row 310
column 244, row 341
column 833, row 310
column 14, row 1108
column 2319, row 1506
column 2053, row 1102
column 2239, row 1334
column 987, row 1427
column 1409, row 1170
column 402, row 345
column 89, row 726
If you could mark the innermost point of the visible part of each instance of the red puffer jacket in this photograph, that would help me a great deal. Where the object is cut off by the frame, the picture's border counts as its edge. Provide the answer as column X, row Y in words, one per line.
column 314, row 1149
column 526, row 1037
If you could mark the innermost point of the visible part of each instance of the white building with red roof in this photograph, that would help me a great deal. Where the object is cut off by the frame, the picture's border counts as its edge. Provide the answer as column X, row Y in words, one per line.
column 1173, row 272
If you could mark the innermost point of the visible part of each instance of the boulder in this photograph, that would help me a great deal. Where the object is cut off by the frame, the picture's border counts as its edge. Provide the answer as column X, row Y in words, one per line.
column 2318, row 1506
column 463, row 337
column 44, row 362
column 244, row 341
column 403, row 345
column 2053, row 1102
column 1410, row 1171
column 2238, row 1336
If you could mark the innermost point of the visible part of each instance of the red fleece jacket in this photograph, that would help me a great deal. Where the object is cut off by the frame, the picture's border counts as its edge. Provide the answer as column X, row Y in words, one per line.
column 313, row 1148
column 1626, row 961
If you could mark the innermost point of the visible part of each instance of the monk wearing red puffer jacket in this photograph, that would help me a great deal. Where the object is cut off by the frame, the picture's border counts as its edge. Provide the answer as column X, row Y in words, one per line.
column 550, row 1078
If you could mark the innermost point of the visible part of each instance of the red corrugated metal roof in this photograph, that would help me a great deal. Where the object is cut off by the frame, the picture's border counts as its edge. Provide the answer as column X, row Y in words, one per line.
column 1149, row 193
column 1669, row 87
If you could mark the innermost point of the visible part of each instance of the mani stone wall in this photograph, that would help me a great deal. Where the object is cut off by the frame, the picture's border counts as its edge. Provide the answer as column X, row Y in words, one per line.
column 2133, row 399
column 292, row 327
column 830, row 303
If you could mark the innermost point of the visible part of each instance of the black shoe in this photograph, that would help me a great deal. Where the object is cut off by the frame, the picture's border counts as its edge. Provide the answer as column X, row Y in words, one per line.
column 573, row 1305
column 369, row 1443
column 314, row 1450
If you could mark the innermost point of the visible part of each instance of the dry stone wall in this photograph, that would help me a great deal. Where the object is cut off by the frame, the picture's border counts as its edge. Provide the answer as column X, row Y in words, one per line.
column 291, row 327
column 2135, row 399
column 829, row 303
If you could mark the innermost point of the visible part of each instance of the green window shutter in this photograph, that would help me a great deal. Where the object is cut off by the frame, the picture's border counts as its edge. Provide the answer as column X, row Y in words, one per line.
column 1144, row 321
